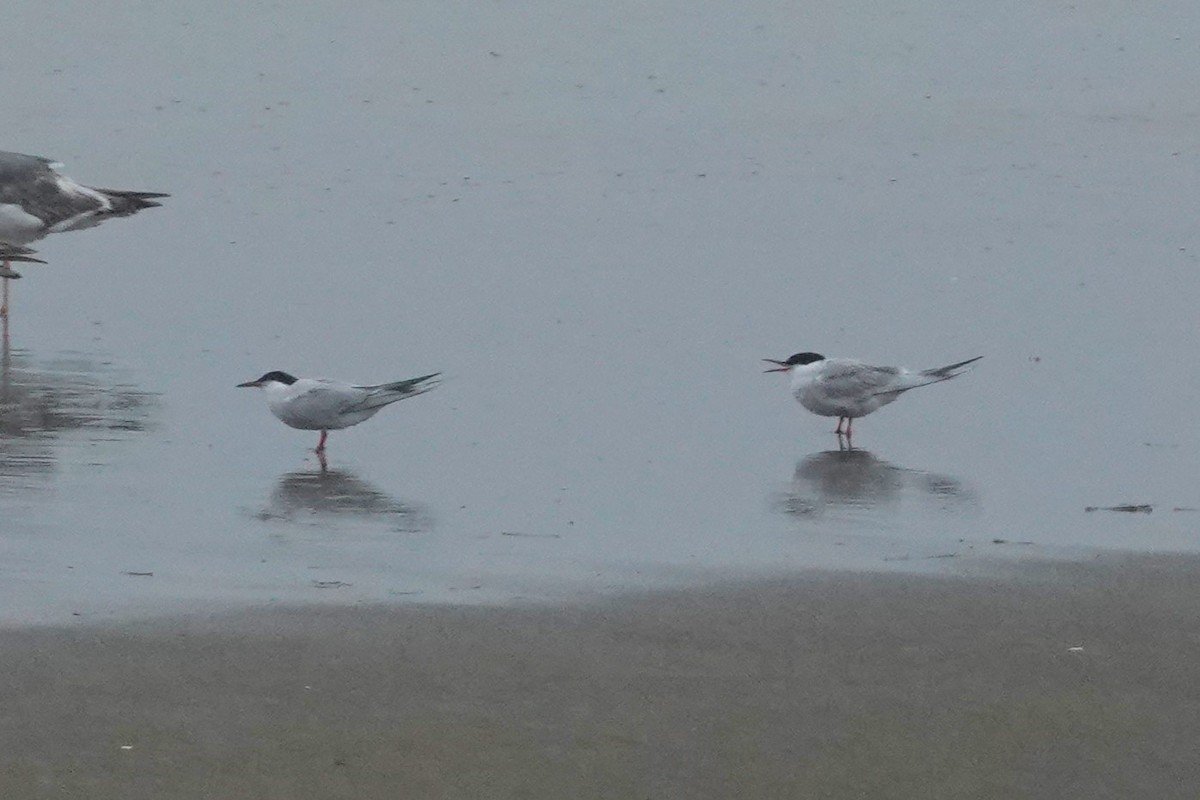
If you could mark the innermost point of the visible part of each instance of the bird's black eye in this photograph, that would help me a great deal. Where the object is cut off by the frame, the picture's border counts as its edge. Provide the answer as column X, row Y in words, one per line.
column 280, row 377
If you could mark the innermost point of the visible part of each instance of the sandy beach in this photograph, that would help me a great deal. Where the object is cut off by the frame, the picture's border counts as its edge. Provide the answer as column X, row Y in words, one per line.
column 1063, row 681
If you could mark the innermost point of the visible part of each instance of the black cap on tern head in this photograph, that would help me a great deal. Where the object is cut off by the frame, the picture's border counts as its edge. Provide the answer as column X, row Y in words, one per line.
column 274, row 375
column 795, row 361
column 804, row 358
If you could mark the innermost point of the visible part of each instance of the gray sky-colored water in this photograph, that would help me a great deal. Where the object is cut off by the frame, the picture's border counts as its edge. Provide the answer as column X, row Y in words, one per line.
column 595, row 221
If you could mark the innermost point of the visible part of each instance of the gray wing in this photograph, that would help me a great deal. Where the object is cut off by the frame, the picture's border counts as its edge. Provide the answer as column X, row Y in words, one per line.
column 339, row 396
column 323, row 402
column 29, row 182
column 843, row 379
column 32, row 183
column 17, row 168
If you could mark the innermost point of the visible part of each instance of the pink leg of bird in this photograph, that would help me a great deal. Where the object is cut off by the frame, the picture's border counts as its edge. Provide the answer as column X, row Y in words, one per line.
column 4, row 305
column 321, row 444
column 849, row 424
column 838, row 430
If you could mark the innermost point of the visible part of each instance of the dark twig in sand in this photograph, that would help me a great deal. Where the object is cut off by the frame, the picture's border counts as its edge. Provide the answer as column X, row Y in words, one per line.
column 1129, row 509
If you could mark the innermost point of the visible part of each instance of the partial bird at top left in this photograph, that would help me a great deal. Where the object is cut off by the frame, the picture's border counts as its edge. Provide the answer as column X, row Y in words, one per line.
column 37, row 200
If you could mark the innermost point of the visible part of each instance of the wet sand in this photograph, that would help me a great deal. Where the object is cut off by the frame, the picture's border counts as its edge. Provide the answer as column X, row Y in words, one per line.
column 827, row 685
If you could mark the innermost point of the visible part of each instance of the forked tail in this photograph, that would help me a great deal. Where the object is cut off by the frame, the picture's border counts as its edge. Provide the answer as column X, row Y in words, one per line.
column 949, row 371
column 386, row 393
column 928, row 376
column 915, row 380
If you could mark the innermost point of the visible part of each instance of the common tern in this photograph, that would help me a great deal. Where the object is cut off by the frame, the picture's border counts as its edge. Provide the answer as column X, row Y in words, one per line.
column 848, row 389
column 37, row 200
column 318, row 404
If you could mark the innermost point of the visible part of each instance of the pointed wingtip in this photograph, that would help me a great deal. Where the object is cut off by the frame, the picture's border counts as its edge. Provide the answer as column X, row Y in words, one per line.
column 425, row 382
column 959, row 365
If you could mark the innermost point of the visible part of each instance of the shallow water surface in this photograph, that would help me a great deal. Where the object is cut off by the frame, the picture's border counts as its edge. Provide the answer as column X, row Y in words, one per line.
column 595, row 222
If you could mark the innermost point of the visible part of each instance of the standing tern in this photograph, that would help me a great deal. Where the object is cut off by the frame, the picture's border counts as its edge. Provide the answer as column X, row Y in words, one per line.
column 37, row 200
column 317, row 404
column 847, row 389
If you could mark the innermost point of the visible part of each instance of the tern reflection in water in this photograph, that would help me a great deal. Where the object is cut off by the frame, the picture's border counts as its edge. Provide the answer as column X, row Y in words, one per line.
column 314, row 495
column 71, row 395
column 853, row 479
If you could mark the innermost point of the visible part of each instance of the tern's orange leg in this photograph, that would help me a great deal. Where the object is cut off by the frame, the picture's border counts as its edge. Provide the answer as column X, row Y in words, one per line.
column 4, row 305
column 321, row 444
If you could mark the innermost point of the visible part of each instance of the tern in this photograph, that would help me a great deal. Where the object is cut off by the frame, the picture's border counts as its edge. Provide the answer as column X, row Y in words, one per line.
column 848, row 389
column 37, row 200
column 318, row 404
